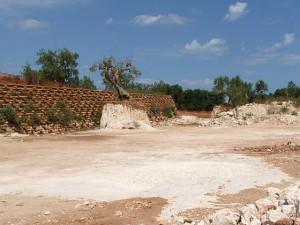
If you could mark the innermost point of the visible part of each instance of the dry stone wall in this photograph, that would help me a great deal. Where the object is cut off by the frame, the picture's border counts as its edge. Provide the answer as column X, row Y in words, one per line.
column 84, row 103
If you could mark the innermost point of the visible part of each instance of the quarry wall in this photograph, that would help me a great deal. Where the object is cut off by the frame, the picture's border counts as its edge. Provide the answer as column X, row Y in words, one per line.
column 33, row 104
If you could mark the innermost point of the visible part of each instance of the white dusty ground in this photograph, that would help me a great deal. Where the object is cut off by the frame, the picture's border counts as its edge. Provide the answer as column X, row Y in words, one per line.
column 182, row 165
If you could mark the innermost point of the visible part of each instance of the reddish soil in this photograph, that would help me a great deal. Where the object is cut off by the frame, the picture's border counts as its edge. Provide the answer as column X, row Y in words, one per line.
column 201, row 114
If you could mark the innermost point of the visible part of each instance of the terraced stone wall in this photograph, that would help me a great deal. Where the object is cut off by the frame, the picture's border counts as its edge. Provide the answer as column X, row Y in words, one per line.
column 84, row 103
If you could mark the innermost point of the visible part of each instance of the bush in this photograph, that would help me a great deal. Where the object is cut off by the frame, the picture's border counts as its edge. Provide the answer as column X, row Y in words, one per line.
column 284, row 110
column 52, row 115
column 154, row 110
column 60, row 114
column 295, row 113
column 96, row 117
column 2, row 119
column 30, row 106
column 66, row 116
column 35, row 120
column 168, row 112
column 9, row 115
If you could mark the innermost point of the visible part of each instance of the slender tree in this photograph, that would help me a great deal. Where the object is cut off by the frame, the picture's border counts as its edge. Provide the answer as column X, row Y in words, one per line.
column 116, row 74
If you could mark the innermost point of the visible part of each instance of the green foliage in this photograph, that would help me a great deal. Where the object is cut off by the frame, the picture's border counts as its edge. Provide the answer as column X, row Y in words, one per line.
column 60, row 66
column 35, row 120
column 121, row 73
column 284, row 110
column 292, row 91
column 2, row 119
column 184, row 99
column 168, row 112
column 96, row 117
column 87, row 83
column 52, row 115
column 261, row 88
column 8, row 114
column 237, row 91
column 31, row 76
column 155, row 110
column 60, row 114
column 30, row 106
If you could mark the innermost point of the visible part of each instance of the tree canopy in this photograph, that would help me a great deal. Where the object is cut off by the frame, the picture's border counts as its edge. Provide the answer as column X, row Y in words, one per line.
column 59, row 66
column 117, row 75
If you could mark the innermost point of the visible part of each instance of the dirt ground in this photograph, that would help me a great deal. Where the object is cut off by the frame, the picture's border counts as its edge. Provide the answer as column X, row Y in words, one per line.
column 139, row 177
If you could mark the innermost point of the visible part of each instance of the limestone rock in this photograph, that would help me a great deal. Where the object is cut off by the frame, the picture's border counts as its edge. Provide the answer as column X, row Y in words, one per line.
column 118, row 116
column 249, row 213
column 225, row 217
column 274, row 216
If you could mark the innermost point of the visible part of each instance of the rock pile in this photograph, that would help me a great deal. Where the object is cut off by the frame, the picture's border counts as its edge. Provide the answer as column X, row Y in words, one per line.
column 290, row 146
column 283, row 113
column 119, row 116
column 279, row 208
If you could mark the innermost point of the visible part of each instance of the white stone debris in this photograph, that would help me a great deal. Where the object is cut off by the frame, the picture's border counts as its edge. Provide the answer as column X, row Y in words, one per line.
column 280, row 207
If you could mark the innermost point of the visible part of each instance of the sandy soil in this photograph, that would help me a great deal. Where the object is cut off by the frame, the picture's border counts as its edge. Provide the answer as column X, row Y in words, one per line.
column 46, row 180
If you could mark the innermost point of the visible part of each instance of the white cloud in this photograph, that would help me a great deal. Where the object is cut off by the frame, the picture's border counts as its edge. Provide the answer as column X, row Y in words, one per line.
column 236, row 11
column 215, row 46
column 288, row 39
column 109, row 21
column 169, row 19
column 29, row 24
column 269, row 57
column 274, row 53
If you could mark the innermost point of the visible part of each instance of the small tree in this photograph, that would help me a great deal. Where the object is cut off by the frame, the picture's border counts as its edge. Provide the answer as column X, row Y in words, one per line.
column 116, row 74
column 236, row 90
column 87, row 83
column 31, row 76
column 59, row 66
column 261, row 88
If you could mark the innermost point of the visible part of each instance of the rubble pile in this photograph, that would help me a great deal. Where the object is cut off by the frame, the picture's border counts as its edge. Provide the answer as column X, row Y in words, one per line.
column 276, row 113
column 279, row 208
column 290, row 146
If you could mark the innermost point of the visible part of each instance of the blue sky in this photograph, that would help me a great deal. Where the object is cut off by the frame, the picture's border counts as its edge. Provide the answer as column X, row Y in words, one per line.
column 186, row 42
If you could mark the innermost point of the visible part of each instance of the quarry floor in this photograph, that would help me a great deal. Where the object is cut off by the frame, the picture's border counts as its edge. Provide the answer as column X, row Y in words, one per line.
column 138, row 177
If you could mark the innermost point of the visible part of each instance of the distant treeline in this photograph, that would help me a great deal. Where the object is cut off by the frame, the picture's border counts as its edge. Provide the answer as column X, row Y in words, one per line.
column 232, row 91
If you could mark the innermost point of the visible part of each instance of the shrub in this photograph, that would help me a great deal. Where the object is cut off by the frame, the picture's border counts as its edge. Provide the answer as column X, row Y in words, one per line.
column 96, row 117
column 284, row 110
column 78, row 117
column 295, row 113
column 2, row 119
column 9, row 114
column 154, row 110
column 52, row 115
column 168, row 112
column 35, row 120
column 61, row 114
column 30, row 106
column 66, row 116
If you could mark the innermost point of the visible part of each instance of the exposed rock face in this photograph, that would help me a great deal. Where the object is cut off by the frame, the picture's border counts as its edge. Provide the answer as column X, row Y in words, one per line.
column 118, row 116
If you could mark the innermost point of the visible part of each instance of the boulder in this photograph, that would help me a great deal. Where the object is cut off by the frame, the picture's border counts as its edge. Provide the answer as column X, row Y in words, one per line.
column 264, row 205
column 275, row 216
column 249, row 213
column 119, row 116
column 225, row 217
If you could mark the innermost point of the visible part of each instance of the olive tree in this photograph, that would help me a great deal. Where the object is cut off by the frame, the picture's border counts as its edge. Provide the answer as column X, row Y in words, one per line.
column 117, row 75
